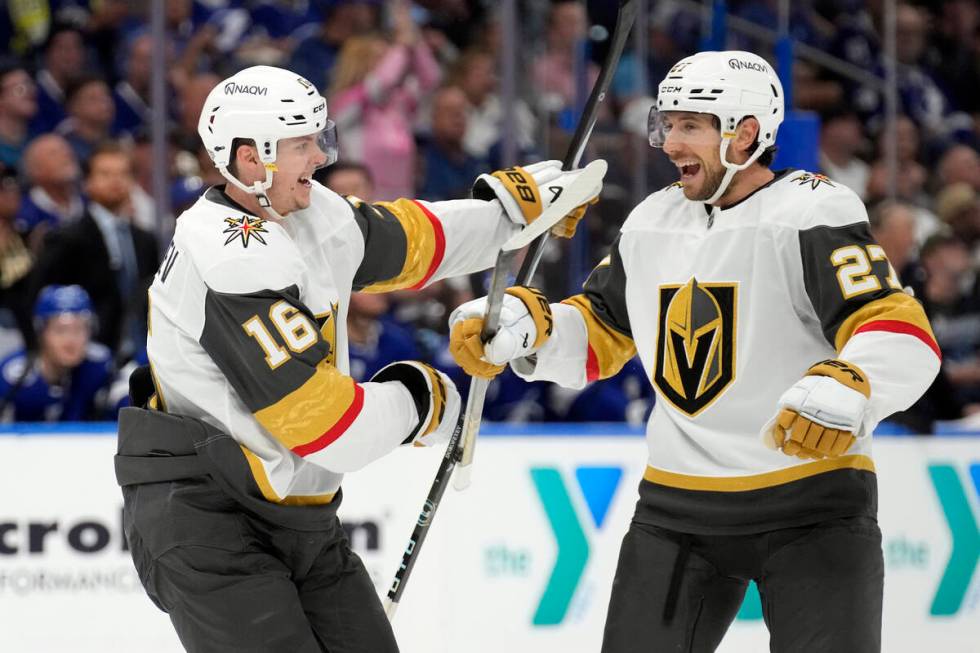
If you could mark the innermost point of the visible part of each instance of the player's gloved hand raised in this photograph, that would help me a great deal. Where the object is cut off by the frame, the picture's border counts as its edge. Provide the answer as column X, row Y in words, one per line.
column 823, row 413
column 436, row 400
column 526, row 192
column 525, row 325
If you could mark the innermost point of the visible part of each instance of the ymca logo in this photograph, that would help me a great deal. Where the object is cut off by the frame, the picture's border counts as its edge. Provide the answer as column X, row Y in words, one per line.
column 951, row 590
column 597, row 486
column 963, row 531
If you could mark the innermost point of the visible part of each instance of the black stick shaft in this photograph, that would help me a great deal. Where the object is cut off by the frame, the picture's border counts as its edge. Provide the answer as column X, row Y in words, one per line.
column 428, row 512
column 624, row 21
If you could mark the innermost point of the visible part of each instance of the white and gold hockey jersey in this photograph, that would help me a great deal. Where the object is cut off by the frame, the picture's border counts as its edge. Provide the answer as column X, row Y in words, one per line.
column 247, row 326
column 728, row 308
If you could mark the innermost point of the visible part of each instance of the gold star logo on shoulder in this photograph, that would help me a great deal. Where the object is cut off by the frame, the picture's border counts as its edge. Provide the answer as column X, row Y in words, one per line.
column 814, row 179
column 245, row 228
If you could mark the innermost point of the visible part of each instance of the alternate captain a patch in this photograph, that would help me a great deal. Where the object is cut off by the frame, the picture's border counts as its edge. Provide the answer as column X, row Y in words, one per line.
column 695, row 343
column 245, row 228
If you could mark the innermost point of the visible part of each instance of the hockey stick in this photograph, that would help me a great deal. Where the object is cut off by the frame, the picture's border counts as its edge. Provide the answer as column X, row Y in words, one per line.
column 624, row 21
column 478, row 389
column 574, row 196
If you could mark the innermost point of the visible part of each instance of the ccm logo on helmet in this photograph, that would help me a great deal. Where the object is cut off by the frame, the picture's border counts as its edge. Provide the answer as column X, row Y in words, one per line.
column 231, row 88
column 738, row 64
column 672, row 89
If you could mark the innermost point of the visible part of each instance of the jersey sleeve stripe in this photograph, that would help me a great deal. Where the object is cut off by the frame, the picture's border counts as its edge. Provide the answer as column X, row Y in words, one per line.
column 337, row 429
column 440, row 245
column 897, row 307
column 318, row 411
column 426, row 246
column 261, row 478
column 609, row 348
column 896, row 326
column 591, row 366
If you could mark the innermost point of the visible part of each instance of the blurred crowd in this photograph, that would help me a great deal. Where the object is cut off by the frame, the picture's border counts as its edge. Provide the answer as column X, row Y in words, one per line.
column 415, row 89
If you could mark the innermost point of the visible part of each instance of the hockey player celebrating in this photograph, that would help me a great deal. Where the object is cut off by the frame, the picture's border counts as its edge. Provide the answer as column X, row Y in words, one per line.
column 763, row 312
column 231, row 478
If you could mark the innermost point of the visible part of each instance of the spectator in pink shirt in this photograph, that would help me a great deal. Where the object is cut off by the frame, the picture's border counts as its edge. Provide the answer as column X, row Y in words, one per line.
column 554, row 71
column 374, row 98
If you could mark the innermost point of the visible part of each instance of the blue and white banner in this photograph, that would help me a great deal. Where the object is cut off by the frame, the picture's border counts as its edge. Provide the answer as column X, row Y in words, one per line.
column 522, row 561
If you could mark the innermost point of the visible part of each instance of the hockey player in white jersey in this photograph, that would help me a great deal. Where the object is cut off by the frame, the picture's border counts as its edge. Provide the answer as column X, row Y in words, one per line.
column 232, row 474
column 764, row 314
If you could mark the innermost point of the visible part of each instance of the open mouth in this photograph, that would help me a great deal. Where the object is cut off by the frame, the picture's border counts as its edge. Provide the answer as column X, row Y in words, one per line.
column 688, row 169
column 305, row 181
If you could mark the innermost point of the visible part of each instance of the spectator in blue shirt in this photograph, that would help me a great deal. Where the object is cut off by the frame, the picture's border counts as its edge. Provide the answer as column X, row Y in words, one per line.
column 448, row 170
column 53, row 197
column 90, row 115
column 18, row 104
column 64, row 380
column 64, row 61
column 314, row 57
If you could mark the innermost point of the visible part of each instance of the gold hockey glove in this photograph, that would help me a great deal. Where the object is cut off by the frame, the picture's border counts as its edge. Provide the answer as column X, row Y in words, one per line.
column 823, row 413
column 525, row 325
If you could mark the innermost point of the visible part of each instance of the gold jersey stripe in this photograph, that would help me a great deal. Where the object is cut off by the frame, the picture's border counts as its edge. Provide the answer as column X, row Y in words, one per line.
column 262, row 480
column 896, row 307
column 161, row 402
column 612, row 349
column 757, row 481
column 426, row 245
column 308, row 412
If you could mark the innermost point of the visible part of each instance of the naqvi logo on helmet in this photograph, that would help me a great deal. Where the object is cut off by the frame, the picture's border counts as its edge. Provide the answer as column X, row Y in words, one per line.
column 740, row 64
column 251, row 89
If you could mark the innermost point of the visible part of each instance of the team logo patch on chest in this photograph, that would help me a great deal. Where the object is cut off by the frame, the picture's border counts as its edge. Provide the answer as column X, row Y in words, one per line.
column 695, row 343
column 245, row 228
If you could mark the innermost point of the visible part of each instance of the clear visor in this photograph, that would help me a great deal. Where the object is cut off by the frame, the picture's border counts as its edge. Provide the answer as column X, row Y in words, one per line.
column 681, row 127
column 326, row 140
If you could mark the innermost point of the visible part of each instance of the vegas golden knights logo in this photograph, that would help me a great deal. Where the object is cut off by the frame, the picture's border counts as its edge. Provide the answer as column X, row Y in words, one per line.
column 696, row 343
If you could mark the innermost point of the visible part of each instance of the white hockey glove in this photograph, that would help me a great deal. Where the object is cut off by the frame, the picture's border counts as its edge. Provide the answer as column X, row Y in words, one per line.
column 436, row 400
column 526, row 192
column 823, row 413
column 525, row 325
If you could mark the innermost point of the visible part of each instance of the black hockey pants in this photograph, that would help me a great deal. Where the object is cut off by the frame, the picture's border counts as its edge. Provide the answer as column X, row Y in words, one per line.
column 235, row 573
column 821, row 588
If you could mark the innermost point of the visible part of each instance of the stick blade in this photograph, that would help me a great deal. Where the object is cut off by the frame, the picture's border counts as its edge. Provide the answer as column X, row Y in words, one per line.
column 463, row 477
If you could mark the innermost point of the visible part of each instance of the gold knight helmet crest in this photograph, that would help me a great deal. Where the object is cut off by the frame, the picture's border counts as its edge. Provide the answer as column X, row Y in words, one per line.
column 696, row 343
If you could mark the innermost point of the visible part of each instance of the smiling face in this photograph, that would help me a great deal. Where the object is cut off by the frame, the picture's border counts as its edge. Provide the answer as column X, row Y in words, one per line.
column 296, row 159
column 691, row 142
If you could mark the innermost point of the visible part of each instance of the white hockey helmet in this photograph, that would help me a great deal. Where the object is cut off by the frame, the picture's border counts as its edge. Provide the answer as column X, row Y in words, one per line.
column 732, row 86
column 264, row 104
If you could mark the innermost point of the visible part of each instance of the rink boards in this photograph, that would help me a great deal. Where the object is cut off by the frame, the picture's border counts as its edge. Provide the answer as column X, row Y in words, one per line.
column 522, row 561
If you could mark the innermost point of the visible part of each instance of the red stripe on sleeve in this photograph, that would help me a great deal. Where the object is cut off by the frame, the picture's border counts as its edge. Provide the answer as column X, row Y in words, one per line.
column 440, row 251
column 897, row 326
column 337, row 429
column 591, row 366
